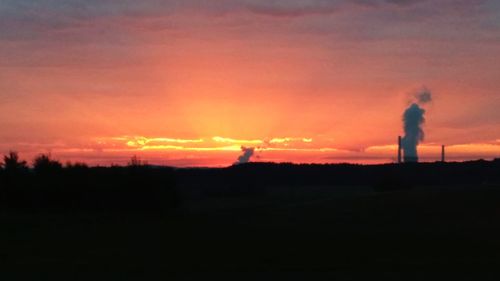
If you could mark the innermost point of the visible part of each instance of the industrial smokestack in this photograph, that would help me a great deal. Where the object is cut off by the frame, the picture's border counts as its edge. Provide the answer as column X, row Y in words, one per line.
column 399, row 150
column 413, row 119
column 443, row 154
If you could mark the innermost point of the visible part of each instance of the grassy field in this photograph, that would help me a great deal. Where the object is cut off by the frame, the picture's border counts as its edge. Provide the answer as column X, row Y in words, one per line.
column 430, row 234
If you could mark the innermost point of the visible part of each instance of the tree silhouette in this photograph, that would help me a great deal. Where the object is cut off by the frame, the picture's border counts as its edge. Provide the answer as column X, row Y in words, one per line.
column 136, row 162
column 12, row 163
column 44, row 164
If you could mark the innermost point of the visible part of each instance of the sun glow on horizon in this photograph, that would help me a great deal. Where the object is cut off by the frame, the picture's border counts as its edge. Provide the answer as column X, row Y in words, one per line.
column 299, row 81
column 215, row 151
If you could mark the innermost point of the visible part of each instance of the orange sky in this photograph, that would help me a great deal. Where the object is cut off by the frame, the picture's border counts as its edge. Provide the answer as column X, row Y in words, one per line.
column 87, row 80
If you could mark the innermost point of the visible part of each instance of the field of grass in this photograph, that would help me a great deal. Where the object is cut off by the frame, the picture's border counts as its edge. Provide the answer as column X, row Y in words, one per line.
column 430, row 234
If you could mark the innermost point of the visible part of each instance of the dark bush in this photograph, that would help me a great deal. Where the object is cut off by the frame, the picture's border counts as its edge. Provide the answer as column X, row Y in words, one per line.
column 43, row 164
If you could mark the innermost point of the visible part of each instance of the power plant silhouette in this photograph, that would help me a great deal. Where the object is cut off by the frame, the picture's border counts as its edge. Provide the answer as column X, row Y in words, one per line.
column 413, row 121
column 414, row 158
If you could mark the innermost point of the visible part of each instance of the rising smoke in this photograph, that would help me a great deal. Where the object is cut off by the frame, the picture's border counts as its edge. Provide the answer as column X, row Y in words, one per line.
column 413, row 119
column 245, row 157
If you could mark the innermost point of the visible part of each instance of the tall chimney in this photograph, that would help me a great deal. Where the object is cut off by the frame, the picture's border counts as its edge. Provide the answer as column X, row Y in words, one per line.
column 442, row 153
column 399, row 149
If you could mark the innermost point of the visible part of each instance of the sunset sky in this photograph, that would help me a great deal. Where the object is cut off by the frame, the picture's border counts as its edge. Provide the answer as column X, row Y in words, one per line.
column 187, row 83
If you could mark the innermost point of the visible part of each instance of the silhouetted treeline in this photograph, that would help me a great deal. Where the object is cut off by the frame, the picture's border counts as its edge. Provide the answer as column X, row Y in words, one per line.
column 139, row 187
column 76, row 187
column 251, row 177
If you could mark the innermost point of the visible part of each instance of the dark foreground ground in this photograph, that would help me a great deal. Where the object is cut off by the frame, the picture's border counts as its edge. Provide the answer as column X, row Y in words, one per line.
column 429, row 233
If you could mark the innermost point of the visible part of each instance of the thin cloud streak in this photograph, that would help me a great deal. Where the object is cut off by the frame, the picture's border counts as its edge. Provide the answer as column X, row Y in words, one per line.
column 236, row 141
column 213, row 155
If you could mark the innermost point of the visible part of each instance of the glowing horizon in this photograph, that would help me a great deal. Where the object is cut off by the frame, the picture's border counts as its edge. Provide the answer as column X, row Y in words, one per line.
column 221, row 151
column 188, row 84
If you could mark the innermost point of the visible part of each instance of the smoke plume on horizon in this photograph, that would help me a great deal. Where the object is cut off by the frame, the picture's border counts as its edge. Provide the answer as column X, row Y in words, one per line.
column 413, row 120
column 245, row 157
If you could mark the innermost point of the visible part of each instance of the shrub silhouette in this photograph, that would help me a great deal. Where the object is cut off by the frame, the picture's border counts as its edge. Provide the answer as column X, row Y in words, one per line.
column 76, row 165
column 43, row 164
column 136, row 162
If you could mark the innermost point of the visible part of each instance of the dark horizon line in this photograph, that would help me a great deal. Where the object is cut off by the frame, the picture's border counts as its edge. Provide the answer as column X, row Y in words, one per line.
column 277, row 164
